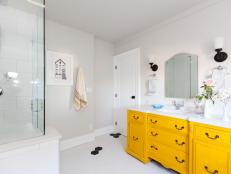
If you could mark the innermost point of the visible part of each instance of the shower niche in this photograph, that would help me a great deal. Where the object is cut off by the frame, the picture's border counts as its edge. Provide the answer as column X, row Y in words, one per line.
column 21, row 70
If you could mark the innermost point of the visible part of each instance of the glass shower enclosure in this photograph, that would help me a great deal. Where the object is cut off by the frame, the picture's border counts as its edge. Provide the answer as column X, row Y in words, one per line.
column 22, row 72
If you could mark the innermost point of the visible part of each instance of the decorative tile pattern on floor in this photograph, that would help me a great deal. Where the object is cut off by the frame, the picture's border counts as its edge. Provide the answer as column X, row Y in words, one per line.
column 96, row 151
column 115, row 135
column 112, row 159
column 98, row 148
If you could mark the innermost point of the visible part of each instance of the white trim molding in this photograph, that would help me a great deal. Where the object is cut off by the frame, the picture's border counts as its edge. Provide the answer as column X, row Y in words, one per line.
column 104, row 130
column 73, row 142
column 69, row 143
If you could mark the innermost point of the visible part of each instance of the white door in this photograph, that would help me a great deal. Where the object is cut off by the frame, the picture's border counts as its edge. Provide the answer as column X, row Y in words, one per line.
column 126, row 86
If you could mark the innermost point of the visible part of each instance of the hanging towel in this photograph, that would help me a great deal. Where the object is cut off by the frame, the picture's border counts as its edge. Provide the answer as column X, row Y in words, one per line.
column 218, row 77
column 80, row 100
column 151, row 87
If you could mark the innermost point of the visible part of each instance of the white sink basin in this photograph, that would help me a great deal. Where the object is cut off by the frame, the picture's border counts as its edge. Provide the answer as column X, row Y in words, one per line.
column 172, row 110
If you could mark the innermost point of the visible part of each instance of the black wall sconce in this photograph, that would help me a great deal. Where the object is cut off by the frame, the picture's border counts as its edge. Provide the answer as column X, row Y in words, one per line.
column 154, row 67
column 221, row 56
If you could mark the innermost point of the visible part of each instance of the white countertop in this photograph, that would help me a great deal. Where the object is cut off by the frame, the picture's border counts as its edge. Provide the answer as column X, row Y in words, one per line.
column 190, row 116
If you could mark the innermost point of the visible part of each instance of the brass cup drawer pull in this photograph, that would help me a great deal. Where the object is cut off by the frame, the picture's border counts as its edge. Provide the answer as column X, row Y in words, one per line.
column 136, row 117
column 179, row 161
column 214, row 172
column 179, row 128
column 156, row 134
column 179, row 144
column 212, row 138
column 153, row 122
column 135, row 138
column 153, row 147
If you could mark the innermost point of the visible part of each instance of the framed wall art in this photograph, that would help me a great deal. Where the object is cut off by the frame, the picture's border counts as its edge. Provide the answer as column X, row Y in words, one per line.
column 59, row 69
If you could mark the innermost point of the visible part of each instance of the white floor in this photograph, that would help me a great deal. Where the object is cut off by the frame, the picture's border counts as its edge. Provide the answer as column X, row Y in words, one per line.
column 113, row 159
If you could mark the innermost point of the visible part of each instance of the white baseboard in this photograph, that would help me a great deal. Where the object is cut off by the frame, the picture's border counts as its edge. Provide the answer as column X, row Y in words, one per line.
column 66, row 144
column 69, row 143
column 104, row 130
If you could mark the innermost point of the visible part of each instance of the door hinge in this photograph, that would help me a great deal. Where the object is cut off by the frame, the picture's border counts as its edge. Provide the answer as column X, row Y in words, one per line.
column 116, row 123
column 116, row 67
column 116, row 95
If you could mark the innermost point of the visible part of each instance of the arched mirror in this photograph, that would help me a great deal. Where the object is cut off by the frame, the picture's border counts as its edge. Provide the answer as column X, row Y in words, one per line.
column 181, row 76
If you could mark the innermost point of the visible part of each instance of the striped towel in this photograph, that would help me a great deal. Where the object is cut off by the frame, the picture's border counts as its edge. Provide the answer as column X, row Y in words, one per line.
column 80, row 99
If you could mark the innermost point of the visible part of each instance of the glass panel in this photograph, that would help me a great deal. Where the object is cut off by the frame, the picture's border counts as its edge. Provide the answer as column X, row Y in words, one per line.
column 181, row 76
column 21, row 70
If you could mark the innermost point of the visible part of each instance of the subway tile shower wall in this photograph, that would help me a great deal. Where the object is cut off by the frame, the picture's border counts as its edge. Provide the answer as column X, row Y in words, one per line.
column 16, row 52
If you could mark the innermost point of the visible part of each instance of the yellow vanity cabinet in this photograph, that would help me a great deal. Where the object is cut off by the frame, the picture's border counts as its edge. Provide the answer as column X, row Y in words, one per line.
column 167, row 142
column 184, row 146
column 210, row 149
column 168, row 123
column 176, row 141
column 136, row 135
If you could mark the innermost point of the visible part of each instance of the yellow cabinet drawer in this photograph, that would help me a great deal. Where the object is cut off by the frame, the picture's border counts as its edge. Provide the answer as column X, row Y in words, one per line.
column 212, row 135
column 180, row 126
column 210, row 159
column 177, row 141
column 134, row 116
column 136, row 139
column 170, row 158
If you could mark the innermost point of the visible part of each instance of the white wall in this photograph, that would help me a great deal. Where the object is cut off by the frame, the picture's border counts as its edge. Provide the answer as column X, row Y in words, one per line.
column 104, row 52
column 193, row 32
column 59, row 108
column 95, row 56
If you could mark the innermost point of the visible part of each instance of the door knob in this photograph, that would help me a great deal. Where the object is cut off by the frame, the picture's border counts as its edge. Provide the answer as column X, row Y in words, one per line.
column 133, row 97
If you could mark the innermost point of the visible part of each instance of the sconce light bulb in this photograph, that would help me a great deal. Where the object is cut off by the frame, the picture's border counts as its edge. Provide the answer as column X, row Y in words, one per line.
column 219, row 43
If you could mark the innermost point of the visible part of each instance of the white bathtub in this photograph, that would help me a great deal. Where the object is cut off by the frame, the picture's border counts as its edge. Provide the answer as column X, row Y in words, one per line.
column 33, row 156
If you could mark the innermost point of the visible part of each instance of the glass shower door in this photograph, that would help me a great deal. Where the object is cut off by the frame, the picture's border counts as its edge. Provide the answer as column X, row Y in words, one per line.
column 21, row 70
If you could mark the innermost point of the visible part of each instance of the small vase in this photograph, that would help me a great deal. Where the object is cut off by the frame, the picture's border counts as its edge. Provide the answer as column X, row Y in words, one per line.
column 199, row 106
column 207, row 113
column 214, row 110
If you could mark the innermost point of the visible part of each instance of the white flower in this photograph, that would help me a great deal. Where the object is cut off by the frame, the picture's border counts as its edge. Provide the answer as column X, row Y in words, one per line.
column 222, row 95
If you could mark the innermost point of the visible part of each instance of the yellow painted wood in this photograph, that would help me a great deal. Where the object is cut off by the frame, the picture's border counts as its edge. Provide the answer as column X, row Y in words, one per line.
column 229, row 171
column 169, row 157
column 136, row 140
column 172, row 124
column 176, row 141
column 191, row 156
column 136, row 135
column 136, row 117
column 210, row 149
column 183, row 146
column 210, row 159
column 211, row 134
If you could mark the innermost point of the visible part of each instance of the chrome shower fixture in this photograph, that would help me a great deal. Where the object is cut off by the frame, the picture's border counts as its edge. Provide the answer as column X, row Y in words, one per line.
column 11, row 75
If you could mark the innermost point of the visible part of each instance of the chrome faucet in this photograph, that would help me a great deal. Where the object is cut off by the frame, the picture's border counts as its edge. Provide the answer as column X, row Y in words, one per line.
column 177, row 105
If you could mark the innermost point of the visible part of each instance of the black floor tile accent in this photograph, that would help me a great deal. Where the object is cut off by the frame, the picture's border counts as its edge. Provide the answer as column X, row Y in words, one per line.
column 115, row 135
column 99, row 148
column 94, row 152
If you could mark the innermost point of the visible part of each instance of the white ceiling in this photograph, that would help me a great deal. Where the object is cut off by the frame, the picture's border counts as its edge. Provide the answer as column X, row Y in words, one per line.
column 113, row 20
